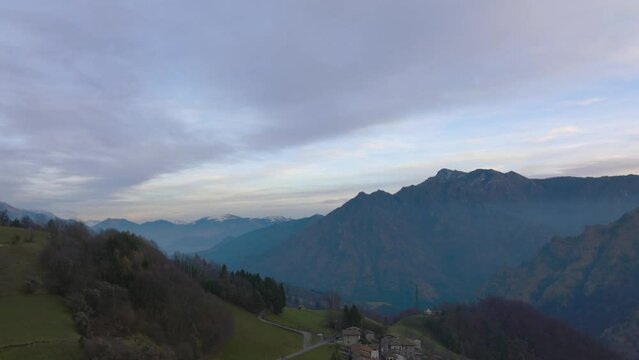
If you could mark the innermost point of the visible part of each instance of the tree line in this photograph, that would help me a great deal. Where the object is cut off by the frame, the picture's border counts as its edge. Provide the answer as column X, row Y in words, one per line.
column 248, row 290
column 25, row 222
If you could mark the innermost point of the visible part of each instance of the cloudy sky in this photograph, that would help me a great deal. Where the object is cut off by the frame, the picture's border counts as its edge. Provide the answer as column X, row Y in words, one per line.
column 171, row 109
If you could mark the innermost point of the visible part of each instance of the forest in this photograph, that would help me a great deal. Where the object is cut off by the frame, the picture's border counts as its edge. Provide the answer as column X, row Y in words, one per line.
column 128, row 300
column 248, row 290
column 498, row 329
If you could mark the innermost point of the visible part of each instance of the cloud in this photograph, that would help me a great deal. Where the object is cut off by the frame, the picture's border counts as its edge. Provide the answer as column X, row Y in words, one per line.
column 618, row 165
column 98, row 97
column 559, row 132
column 584, row 102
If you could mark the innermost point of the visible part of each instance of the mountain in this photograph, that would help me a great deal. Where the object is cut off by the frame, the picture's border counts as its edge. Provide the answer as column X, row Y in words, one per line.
column 40, row 217
column 444, row 237
column 191, row 237
column 590, row 280
column 244, row 249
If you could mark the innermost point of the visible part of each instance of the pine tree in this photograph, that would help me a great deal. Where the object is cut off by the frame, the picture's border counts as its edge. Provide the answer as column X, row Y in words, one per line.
column 355, row 316
column 346, row 318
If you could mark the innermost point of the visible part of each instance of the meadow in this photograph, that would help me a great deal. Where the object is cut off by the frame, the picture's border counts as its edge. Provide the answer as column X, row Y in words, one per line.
column 253, row 339
column 309, row 320
column 34, row 325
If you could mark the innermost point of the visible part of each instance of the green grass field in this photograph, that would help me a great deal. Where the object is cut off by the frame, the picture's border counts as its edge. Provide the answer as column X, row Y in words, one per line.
column 304, row 319
column 413, row 327
column 321, row 353
column 255, row 340
column 53, row 351
column 410, row 327
column 20, row 260
column 28, row 318
column 40, row 319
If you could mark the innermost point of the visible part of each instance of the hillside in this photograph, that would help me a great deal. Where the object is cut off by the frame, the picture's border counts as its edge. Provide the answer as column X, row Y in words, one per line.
column 446, row 235
column 191, row 237
column 414, row 327
column 497, row 329
column 256, row 340
column 590, row 280
column 35, row 324
column 128, row 300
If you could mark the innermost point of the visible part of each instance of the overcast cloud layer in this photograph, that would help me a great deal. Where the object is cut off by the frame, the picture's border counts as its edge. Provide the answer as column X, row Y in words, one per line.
column 182, row 109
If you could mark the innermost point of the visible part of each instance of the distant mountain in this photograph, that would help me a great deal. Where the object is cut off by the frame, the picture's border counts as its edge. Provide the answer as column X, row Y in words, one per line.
column 590, row 280
column 192, row 237
column 244, row 249
column 40, row 217
column 445, row 236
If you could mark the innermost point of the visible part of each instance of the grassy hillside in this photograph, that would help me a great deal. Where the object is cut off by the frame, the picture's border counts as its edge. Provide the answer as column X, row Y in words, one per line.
column 34, row 326
column 253, row 339
column 304, row 319
column 413, row 327
column 321, row 353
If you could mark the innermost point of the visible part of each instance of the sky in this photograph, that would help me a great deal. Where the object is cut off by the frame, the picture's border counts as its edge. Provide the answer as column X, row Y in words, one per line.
column 169, row 109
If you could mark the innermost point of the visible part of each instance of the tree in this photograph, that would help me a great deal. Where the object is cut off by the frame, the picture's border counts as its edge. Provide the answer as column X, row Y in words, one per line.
column 346, row 317
column 332, row 300
column 4, row 218
column 355, row 316
column 281, row 296
column 26, row 222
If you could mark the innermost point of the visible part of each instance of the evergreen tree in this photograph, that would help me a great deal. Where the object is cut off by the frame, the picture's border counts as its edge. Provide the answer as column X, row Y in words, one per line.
column 355, row 316
column 282, row 295
column 346, row 317
column 4, row 218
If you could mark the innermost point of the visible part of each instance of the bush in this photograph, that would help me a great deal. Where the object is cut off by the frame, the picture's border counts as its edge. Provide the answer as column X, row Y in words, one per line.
column 82, row 325
column 31, row 285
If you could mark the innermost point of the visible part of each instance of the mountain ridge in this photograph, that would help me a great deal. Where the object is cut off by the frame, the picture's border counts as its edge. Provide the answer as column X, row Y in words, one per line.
column 445, row 236
column 39, row 216
column 588, row 280
column 190, row 237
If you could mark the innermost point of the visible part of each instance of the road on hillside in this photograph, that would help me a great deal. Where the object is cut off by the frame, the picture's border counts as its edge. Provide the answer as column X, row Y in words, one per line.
column 306, row 346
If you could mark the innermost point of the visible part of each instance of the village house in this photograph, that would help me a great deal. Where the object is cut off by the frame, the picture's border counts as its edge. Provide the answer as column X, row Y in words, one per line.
column 364, row 352
column 408, row 349
column 351, row 335
column 394, row 356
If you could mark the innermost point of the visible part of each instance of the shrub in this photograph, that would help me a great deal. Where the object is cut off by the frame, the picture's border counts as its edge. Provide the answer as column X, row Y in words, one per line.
column 31, row 284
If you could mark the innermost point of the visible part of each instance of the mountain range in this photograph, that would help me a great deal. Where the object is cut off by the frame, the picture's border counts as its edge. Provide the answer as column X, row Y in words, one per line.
column 238, row 251
column 437, row 241
column 190, row 237
column 40, row 217
column 590, row 280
